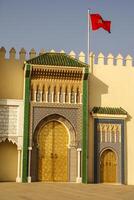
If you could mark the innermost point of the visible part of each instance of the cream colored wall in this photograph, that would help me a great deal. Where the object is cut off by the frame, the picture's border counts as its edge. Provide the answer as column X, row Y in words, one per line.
column 113, row 85
column 109, row 85
column 11, row 79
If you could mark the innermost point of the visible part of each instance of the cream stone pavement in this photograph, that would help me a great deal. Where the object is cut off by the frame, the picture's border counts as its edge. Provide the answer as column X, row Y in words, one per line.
column 65, row 191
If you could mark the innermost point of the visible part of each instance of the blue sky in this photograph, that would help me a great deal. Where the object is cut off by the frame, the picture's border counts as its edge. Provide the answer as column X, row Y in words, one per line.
column 62, row 24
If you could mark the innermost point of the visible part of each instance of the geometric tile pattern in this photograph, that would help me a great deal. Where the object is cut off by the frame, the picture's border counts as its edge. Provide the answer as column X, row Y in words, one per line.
column 68, row 114
column 73, row 114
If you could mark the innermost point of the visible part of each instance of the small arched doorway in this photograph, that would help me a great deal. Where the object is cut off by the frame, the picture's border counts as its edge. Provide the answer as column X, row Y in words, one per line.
column 52, row 141
column 108, row 167
column 8, row 161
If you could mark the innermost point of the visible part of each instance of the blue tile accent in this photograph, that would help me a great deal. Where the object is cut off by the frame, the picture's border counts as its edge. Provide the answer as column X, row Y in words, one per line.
column 95, row 151
column 122, row 153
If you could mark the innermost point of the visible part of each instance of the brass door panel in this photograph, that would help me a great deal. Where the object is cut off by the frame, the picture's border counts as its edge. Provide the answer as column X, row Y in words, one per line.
column 45, row 143
column 60, row 152
column 52, row 141
column 108, row 167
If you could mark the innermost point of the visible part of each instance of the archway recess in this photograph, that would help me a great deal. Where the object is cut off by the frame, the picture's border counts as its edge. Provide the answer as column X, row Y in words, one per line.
column 108, row 167
column 8, row 161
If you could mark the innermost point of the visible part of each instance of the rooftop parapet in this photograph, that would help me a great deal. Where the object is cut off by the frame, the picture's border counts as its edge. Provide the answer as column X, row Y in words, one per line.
column 12, row 54
column 129, row 61
column 111, row 60
column 22, row 54
column 97, row 60
column 32, row 53
column 2, row 53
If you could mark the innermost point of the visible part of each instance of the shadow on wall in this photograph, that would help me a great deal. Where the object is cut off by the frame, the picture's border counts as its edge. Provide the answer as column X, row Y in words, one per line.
column 96, row 89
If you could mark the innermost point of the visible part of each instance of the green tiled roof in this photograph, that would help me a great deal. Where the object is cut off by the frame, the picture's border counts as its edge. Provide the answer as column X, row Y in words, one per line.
column 109, row 110
column 56, row 59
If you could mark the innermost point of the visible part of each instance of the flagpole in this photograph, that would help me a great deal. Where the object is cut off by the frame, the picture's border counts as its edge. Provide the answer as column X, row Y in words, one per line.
column 88, row 39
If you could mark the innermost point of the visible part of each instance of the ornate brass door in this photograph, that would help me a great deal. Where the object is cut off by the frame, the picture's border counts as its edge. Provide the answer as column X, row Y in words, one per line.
column 108, row 167
column 52, row 141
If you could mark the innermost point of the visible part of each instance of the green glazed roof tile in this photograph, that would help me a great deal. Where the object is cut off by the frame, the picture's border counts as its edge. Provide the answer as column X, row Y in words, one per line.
column 109, row 110
column 56, row 59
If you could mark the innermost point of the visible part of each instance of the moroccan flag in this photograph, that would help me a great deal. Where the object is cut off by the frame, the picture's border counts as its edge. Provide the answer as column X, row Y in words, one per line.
column 98, row 22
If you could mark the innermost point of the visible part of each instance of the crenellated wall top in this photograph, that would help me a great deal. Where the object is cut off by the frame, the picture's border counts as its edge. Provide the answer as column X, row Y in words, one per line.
column 111, row 60
column 100, row 59
column 23, row 55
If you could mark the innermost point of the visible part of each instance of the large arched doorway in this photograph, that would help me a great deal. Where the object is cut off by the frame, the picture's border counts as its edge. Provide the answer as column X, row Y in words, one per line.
column 52, row 141
column 8, row 161
column 108, row 167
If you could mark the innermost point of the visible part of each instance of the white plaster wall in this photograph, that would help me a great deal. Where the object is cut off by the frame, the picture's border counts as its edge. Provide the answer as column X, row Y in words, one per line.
column 11, row 120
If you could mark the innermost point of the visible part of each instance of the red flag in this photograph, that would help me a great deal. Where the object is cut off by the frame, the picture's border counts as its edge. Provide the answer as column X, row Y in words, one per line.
column 98, row 22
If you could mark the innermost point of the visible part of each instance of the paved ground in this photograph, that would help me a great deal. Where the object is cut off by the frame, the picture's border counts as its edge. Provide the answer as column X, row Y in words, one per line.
column 65, row 191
